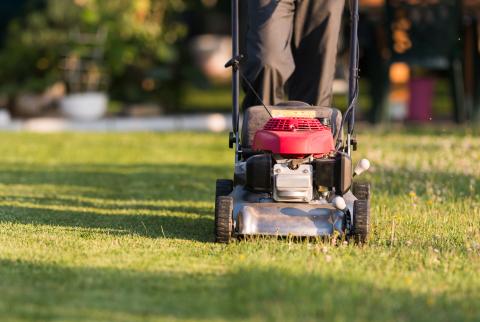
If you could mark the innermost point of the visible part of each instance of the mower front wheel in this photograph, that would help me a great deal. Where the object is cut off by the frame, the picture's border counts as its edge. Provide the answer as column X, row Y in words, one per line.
column 361, row 220
column 223, row 219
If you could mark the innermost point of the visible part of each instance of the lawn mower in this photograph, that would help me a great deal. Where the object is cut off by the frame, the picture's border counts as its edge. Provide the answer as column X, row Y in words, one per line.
column 293, row 173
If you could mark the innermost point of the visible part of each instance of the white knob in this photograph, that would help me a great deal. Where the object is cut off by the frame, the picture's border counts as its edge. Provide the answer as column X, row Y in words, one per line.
column 339, row 203
column 362, row 166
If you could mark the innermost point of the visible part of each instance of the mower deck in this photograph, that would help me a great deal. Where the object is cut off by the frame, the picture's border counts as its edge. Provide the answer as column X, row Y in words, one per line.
column 286, row 219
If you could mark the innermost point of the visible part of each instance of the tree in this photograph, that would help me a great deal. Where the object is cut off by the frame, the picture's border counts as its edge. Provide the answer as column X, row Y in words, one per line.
column 140, row 49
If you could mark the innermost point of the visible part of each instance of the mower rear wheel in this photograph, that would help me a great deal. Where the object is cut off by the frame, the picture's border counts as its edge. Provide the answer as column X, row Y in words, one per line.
column 223, row 219
column 361, row 190
column 361, row 220
column 223, row 187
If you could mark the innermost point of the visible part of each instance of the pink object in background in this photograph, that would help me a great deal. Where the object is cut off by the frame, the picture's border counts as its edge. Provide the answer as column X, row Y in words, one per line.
column 421, row 97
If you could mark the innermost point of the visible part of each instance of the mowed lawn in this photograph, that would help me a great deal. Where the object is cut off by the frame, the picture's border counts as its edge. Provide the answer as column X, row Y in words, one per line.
column 119, row 227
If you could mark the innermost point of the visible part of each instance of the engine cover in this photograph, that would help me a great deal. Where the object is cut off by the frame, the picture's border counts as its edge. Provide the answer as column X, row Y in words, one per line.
column 294, row 137
column 293, row 185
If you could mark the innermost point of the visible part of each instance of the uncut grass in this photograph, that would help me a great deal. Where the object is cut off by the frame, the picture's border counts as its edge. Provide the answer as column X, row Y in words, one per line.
column 119, row 227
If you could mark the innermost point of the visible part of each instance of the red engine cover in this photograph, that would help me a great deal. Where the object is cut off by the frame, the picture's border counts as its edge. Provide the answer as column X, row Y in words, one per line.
column 294, row 137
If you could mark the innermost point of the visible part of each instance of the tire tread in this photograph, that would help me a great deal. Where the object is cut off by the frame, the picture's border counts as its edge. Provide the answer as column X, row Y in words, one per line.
column 223, row 219
column 361, row 190
column 361, row 220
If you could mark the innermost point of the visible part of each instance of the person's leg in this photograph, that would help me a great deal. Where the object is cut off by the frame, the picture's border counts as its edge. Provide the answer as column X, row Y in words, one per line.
column 269, row 62
column 315, row 39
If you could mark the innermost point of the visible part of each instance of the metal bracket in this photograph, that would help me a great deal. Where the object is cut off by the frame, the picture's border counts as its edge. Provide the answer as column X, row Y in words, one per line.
column 354, row 144
column 234, row 62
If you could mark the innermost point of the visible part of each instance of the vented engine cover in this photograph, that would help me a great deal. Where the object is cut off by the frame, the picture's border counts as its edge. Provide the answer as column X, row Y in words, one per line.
column 294, row 137
column 293, row 185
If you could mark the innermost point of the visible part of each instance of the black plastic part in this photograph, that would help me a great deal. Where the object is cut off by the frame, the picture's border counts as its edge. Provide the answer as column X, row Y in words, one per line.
column 361, row 190
column 234, row 62
column 231, row 140
column 354, row 144
column 333, row 173
column 223, row 219
column 223, row 187
column 343, row 173
column 324, row 172
column 361, row 220
column 259, row 173
column 248, row 153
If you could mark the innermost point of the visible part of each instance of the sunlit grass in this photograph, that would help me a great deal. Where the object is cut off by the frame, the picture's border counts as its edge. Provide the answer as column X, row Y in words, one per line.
column 103, row 227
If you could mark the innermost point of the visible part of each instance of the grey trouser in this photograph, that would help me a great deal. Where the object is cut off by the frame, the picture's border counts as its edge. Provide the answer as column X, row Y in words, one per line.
column 291, row 49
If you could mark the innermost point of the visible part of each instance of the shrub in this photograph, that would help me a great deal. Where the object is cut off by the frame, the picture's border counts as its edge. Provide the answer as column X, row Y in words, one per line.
column 140, row 52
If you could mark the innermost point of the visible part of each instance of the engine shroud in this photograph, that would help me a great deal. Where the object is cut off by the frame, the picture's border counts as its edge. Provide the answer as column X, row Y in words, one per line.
column 294, row 137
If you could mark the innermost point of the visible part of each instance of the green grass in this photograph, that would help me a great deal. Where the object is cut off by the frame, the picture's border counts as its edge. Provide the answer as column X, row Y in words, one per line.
column 207, row 100
column 103, row 227
column 217, row 99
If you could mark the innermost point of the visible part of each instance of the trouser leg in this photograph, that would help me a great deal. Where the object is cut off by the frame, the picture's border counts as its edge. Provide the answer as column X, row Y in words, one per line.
column 315, row 41
column 269, row 62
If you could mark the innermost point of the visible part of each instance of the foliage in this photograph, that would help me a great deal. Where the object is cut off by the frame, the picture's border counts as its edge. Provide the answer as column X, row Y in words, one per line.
column 119, row 227
column 140, row 50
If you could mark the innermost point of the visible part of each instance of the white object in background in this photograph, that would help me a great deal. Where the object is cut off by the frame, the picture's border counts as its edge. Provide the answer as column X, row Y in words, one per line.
column 362, row 166
column 46, row 125
column 398, row 111
column 210, row 52
column 340, row 86
column 217, row 123
column 339, row 203
column 84, row 106
column 5, row 117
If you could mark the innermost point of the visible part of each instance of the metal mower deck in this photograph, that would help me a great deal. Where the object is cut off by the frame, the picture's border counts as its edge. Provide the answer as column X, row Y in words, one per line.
column 285, row 219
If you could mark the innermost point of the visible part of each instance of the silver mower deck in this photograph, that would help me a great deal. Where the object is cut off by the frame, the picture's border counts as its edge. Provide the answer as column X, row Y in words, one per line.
column 256, row 214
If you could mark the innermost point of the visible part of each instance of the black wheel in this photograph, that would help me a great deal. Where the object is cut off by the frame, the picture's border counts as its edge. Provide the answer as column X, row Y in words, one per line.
column 223, row 219
column 361, row 220
column 361, row 190
column 223, row 187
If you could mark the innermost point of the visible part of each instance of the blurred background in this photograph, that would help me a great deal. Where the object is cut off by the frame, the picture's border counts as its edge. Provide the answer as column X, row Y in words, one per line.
column 84, row 63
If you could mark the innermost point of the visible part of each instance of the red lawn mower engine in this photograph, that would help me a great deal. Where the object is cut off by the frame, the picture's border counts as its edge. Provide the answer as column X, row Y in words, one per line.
column 299, row 163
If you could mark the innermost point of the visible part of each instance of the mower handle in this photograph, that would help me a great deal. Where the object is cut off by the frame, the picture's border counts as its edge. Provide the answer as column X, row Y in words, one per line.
column 352, row 83
column 234, row 63
column 354, row 72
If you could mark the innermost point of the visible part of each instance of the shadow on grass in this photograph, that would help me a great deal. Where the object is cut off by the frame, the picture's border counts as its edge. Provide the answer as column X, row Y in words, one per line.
column 148, row 200
column 185, row 207
column 196, row 182
column 123, row 196
column 151, row 226
column 139, row 181
column 131, row 192
column 32, row 291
